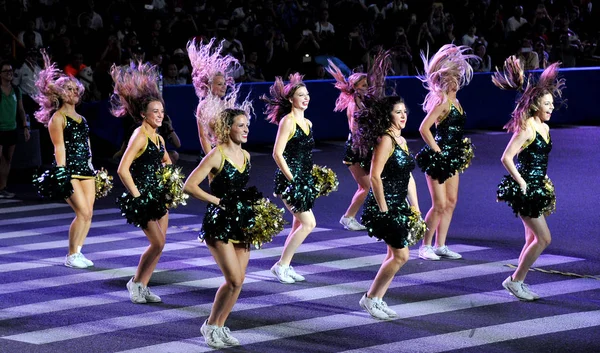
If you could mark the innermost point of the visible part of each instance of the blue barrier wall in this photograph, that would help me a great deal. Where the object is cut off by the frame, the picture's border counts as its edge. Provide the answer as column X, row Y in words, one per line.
column 487, row 107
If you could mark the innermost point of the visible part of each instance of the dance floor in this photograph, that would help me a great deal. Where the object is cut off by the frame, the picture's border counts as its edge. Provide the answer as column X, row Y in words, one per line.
column 443, row 305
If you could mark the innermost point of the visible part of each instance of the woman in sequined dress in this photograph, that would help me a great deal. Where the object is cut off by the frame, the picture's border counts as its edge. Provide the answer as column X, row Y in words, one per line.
column 69, row 132
column 387, row 213
column 448, row 152
column 137, row 94
column 351, row 91
column 229, row 167
column 293, row 155
column 527, row 189
column 211, row 79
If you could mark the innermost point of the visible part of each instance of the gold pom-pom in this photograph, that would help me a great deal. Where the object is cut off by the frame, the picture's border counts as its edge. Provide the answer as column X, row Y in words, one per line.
column 326, row 180
column 549, row 186
column 468, row 154
column 103, row 183
column 172, row 180
column 416, row 226
column 268, row 222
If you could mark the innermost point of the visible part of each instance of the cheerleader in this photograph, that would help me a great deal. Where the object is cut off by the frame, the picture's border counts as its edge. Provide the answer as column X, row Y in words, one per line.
column 73, row 172
column 143, row 205
column 527, row 189
column 292, row 152
column 448, row 152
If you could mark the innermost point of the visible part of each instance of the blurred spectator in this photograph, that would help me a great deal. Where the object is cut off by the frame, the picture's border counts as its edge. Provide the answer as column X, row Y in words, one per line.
column 516, row 20
column 278, row 54
column 543, row 56
column 171, row 76
column 183, row 68
column 485, row 62
column 437, row 19
column 35, row 40
column 324, row 30
column 528, row 58
column 253, row 70
column 95, row 19
column 75, row 65
column 469, row 38
column 24, row 77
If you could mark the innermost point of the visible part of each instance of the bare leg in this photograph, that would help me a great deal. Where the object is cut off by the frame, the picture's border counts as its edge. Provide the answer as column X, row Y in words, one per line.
column 438, row 205
column 539, row 228
column 529, row 238
column 394, row 260
column 362, row 180
column 156, row 234
column 82, row 202
column 451, row 186
column 233, row 261
column 304, row 223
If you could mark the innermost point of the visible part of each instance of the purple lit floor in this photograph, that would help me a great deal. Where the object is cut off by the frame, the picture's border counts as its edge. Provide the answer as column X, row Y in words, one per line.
column 443, row 306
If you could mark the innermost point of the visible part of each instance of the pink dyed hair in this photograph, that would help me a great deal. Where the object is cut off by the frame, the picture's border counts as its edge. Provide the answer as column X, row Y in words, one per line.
column 207, row 63
column 450, row 65
column 210, row 108
column 135, row 88
column 278, row 104
column 346, row 86
column 51, row 83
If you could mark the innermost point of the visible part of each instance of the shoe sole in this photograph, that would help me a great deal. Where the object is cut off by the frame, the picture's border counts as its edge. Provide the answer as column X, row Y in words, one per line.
column 430, row 259
column 516, row 296
column 71, row 266
column 280, row 281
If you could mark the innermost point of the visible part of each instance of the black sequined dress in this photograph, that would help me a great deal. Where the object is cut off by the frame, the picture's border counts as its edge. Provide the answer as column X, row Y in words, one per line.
column 77, row 148
column 532, row 164
column 392, row 226
column 227, row 224
column 151, row 204
column 456, row 150
column 299, row 194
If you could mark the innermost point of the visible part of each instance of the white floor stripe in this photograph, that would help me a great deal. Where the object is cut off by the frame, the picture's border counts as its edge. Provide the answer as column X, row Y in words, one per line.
column 86, row 276
column 7, row 201
column 132, row 321
column 214, row 282
column 37, row 207
column 359, row 318
column 65, row 228
column 491, row 334
column 51, row 217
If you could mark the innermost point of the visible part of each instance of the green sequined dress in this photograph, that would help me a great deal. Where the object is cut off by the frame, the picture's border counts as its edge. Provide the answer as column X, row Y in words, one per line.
column 299, row 194
column 77, row 148
column 532, row 164
column 392, row 226
column 227, row 224
column 456, row 150
column 151, row 204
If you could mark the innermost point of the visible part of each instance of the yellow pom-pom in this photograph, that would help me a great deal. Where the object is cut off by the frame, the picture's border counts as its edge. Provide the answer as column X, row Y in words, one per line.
column 326, row 180
column 103, row 183
column 172, row 180
column 416, row 226
column 268, row 222
column 549, row 186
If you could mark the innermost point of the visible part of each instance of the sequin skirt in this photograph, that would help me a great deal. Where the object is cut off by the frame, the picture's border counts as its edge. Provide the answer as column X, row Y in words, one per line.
column 539, row 200
column 454, row 158
column 350, row 155
column 300, row 194
column 400, row 227
column 149, row 206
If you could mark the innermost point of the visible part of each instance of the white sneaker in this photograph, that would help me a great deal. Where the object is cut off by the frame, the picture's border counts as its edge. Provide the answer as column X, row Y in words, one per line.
column 296, row 277
column 350, row 223
column 226, row 337
column 89, row 263
column 136, row 292
column 373, row 307
column 426, row 252
column 446, row 253
column 75, row 261
column 6, row 195
column 281, row 272
column 517, row 289
column 533, row 294
column 385, row 308
column 149, row 296
column 211, row 335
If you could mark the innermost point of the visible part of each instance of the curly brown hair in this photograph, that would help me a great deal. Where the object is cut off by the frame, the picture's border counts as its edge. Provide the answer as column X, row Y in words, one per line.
column 224, row 121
